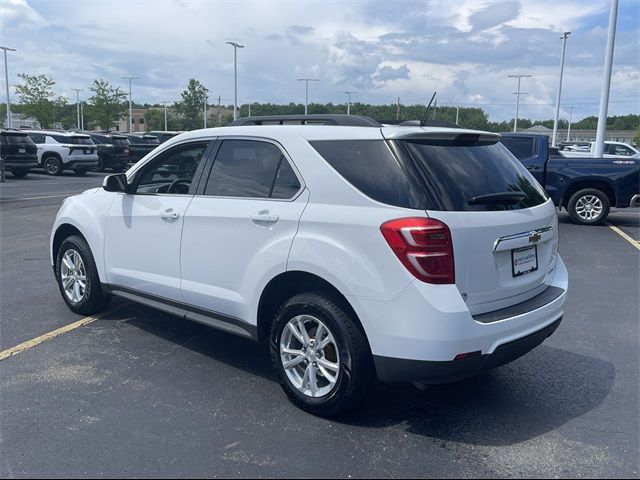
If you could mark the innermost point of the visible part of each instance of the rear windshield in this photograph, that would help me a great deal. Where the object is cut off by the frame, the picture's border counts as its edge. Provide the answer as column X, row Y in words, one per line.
column 453, row 175
column 81, row 141
column 430, row 175
column 144, row 140
column 15, row 139
column 119, row 140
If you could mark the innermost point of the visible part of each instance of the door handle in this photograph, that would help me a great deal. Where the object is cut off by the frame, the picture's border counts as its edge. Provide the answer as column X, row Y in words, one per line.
column 264, row 216
column 170, row 214
column 533, row 169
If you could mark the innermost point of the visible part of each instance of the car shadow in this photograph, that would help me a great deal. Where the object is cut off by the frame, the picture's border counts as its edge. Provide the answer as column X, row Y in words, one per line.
column 536, row 394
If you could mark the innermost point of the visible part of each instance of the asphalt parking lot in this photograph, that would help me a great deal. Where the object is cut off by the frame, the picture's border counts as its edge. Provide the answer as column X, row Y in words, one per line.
column 142, row 393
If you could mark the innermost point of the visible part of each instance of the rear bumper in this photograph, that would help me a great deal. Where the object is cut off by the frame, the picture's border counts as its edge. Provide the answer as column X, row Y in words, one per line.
column 417, row 335
column 403, row 370
column 87, row 161
column 21, row 162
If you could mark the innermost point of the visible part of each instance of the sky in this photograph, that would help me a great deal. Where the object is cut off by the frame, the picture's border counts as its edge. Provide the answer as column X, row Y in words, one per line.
column 463, row 49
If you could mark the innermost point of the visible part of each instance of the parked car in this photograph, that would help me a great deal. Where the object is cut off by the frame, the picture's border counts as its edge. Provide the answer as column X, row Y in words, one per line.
column 408, row 254
column 611, row 150
column 113, row 151
column 586, row 187
column 140, row 145
column 17, row 150
column 163, row 135
column 59, row 151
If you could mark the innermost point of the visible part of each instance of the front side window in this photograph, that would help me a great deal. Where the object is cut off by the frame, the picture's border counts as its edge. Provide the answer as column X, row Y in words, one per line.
column 250, row 168
column 173, row 171
column 623, row 150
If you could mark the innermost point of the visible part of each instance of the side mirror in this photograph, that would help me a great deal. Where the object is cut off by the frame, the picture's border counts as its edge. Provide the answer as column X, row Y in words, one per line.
column 116, row 183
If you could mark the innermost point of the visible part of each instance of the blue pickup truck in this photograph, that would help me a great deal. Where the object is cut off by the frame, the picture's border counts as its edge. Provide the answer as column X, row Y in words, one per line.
column 586, row 187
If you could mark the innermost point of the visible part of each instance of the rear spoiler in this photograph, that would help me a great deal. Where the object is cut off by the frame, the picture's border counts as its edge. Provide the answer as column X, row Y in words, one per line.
column 449, row 136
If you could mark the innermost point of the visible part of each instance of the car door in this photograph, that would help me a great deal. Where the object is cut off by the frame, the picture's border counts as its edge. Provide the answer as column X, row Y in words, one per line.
column 239, row 228
column 143, row 228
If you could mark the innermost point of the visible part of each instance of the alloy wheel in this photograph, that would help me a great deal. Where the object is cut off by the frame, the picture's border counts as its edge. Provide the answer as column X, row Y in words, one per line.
column 73, row 276
column 589, row 207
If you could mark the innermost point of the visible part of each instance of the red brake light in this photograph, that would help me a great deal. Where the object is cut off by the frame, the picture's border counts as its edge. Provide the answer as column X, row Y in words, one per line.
column 424, row 247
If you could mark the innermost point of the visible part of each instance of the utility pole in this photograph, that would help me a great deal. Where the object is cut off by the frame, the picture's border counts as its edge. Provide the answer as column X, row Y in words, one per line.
column 435, row 106
column 6, row 77
column 130, row 113
column 218, row 119
column 235, row 46
column 349, row 102
column 564, row 37
column 249, row 109
column 598, row 149
column 457, row 115
column 165, row 115
column 206, row 90
column 82, row 116
column 398, row 109
column 570, row 115
column 306, row 91
column 518, row 93
column 78, row 90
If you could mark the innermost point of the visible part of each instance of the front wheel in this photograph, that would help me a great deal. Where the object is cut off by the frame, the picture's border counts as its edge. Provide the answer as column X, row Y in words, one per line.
column 320, row 355
column 588, row 206
column 78, row 278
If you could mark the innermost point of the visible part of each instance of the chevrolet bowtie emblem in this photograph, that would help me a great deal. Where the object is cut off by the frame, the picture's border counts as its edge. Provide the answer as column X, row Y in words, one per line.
column 534, row 237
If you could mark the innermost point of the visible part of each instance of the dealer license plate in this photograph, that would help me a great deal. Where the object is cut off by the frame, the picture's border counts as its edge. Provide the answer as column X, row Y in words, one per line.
column 524, row 260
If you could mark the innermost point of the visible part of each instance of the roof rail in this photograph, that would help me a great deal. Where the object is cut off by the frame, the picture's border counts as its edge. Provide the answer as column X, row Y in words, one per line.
column 316, row 119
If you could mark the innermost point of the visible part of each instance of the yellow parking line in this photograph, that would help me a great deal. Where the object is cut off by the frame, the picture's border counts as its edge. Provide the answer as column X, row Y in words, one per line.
column 48, row 336
column 632, row 241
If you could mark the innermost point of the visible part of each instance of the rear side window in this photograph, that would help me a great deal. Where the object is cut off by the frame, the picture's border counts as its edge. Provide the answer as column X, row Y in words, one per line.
column 520, row 147
column 250, row 168
column 453, row 175
column 37, row 137
column 370, row 167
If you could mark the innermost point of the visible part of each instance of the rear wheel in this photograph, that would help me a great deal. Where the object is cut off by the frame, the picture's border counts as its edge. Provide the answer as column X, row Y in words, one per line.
column 52, row 165
column 320, row 355
column 588, row 206
column 80, row 171
column 78, row 278
column 20, row 172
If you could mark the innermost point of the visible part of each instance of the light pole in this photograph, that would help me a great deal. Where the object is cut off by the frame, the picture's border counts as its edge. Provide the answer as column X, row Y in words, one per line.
column 6, row 77
column 457, row 114
column 78, row 90
column 235, row 46
column 204, row 113
column 306, row 91
column 349, row 101
column 519, row 77
column 165, row 114
column 130, row 114
column 569, row 128
column 598, row 149
column 564, row 37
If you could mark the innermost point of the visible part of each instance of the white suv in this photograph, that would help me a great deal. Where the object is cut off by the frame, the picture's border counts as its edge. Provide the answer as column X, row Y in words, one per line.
column 406, row 254
column 59, row 151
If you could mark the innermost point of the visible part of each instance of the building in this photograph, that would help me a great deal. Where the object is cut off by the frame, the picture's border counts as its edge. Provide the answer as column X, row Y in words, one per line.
column 137, row 121
column 18, row 120
column 577, row 135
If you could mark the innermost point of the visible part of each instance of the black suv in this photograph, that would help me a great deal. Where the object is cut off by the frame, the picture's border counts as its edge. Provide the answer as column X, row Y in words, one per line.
column 113, row 151
column 163, row 135
column 18, row 151
column 140, row 145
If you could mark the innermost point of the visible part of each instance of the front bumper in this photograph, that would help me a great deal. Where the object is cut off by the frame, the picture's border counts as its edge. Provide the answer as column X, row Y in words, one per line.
column 417, row 335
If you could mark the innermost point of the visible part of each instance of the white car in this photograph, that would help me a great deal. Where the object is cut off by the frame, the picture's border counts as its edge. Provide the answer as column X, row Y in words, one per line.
column 611, row 150
column 406, row 254
column 59, row 151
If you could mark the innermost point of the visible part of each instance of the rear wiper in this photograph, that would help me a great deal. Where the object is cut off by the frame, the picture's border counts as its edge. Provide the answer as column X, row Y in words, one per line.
column 501, row 198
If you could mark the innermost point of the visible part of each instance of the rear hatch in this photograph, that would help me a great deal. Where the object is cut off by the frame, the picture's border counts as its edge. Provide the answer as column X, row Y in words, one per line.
column 81, row 145
column 120, row 145
column 503, row 226
column 17, row 146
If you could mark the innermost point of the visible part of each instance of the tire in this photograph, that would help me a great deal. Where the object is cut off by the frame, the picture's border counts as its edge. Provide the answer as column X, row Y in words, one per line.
column 52, row 165
column 588, row 206
column 348, row 354
column 99, row 167
column 20, row 172
column 91, row 299
column 80, row 171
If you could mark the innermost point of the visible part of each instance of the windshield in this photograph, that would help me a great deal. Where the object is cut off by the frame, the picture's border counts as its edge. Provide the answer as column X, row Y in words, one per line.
column 452, row 176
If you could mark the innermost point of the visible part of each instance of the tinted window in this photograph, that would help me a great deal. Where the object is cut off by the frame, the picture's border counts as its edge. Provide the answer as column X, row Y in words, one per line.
column 173, row 172
column 135, row 140
column 370, row 166
column 61, row 139
column 520, row 147
column 248, row 168
column 452, row 175
column 100, row 139
column 15, row 139
column 81, row 141
column 37, row 137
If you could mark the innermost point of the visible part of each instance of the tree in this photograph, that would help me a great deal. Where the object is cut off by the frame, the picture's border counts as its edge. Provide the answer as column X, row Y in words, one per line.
column 35, row 92
column 154, row 119
column 191, row 105
column 636, row 137
column 106, row 106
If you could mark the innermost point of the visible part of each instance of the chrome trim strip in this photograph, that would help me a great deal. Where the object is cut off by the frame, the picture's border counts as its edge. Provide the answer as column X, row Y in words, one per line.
column 515, row 236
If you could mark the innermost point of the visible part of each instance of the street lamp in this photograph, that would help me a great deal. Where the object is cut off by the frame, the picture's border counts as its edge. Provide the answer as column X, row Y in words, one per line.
column 569, row 128
column 306, row 91
column 519, row 77
column 78, row 90
column 130, row 114
column 6, row 76
column 235, row 46
column 564, row 37
column 349, row 101
column 165, row 114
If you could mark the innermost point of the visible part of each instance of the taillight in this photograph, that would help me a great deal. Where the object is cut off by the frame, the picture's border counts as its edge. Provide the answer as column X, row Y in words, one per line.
column 424, row 247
